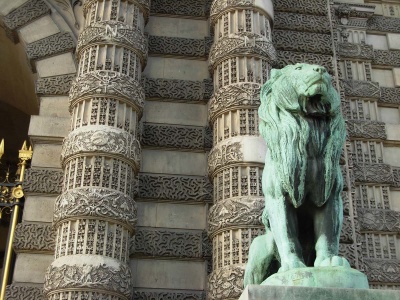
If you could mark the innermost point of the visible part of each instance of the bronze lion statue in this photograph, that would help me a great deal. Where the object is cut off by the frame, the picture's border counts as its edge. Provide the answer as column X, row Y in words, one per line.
column 301, row 122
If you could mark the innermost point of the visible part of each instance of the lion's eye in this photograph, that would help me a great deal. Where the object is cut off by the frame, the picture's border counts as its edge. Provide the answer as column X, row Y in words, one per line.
column 298, row 68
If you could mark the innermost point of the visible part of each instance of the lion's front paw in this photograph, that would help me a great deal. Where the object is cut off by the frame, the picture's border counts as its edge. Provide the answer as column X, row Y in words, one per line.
column 293, row 264
column 333, row 261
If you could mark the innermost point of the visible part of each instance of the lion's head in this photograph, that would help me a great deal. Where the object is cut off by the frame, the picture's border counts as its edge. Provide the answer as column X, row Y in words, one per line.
column 299, row 107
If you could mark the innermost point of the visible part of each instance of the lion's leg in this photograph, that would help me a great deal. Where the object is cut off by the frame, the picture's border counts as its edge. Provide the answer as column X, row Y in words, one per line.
column 283, row 222
column 327, row 226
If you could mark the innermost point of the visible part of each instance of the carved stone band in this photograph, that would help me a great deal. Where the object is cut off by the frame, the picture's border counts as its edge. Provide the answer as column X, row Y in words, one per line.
column 96, row 202
column 220, row 6
column 89, row 273
column 366, row 129
column 239, row 44
column 247, row 150
column 100, row 139
column 108, row 84
column 34, row 238
column 115, row 33
column 226, row 283
column 242, row 211
column 367, row 89
column 351, row 50
column 234, row 96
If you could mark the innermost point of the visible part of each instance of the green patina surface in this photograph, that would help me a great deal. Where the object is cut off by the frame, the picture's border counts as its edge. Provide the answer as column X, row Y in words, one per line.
column 301, row 122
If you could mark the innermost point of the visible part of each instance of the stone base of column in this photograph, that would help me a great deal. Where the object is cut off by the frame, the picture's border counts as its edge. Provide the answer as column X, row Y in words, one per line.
column 263, row 292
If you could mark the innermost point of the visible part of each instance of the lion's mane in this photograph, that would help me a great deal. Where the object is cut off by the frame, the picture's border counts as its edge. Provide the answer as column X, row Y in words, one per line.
column 288, row 130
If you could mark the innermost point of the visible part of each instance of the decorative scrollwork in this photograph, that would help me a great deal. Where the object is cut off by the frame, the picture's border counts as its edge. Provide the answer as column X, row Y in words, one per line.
column 107, row 83
column 223, row 155
column 226, row 283
column 96, row 202
column 243, row 43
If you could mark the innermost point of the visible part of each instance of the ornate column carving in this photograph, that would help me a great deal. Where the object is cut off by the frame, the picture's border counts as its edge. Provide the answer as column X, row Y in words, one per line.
column 95, row 216
column 240, row 60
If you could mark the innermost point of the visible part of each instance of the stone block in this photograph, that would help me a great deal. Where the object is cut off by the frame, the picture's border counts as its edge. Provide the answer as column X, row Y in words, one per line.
column 56, row 65
column 333, row 277
column 170, row 215
column 391, row 156
column 177, row 27
column 48, row 128
column 395, row 200
column 30, row 268
column 390, row 115
column 174, row 68
column 377, row 41
column 396, row 75
column 7, row 6
column 383, row 77
column 393, row 132
column 258, row 292
column 54, row 107
column 167, row 274
column 174, row 162
column 175, row 113
column 38, row 208
column 38, row 29
column 393, row 41
column 47, row 155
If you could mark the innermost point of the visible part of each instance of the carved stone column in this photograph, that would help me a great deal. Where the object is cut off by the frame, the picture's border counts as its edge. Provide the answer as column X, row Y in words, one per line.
column 240, row 60
column 95, row 215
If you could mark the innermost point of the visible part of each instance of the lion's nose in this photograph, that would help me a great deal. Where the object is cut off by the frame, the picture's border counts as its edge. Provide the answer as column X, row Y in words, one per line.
column 320, row 70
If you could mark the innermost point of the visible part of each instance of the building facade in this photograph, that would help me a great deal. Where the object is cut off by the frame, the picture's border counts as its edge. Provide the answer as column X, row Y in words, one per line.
column 145, row 181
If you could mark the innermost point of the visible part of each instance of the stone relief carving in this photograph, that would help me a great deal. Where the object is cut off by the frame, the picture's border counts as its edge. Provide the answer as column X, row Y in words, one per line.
column 354, row 88
column 194, row 8
column 346, row 10
column 96, row 202
column 95, row 277
column 245, row 94
column 17, row 292
column 226, row 283
column 390, row 95
column 162, row 295
column 382, row 270
column 34, row 237
column 177, row 46
column 68, row 7
column 347, row 235
column 285, row 58
column 108, row 83
column 313, row 7
column 349, row 251
column 350, row 50
column 176, row 89
column 166, row 187
column 379, row 220
column 387, row 57
column 240, row 44
column 396, row 177
column 223, row 155
column 172, row 136
column 113, row 32
column 302, row 41
column 366, row 129
column 385, row 24
column 235, row 212
column 300, row 22
column 55, row 85
column 47, row 181
column 54, row 44
column 102, row 139
column 169, row 243
column 26, row 13
column 373, row 173
column 220, row 5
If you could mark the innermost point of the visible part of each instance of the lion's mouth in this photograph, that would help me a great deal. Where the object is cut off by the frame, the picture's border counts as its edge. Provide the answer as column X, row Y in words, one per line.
column 314, row 106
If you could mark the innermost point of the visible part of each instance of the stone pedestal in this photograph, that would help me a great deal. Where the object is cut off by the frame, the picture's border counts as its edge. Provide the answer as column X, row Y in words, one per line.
column 326, row 277
column 262, row 292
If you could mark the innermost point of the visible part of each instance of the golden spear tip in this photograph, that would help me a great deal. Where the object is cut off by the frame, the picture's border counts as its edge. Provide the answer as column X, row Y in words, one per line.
column 1, row 148
column 24, row 146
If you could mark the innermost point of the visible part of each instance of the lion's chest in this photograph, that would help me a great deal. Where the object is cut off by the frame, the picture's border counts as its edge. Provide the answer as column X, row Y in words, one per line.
column 319, row 134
